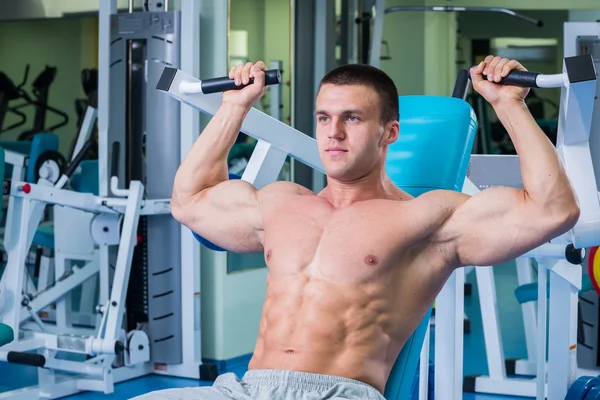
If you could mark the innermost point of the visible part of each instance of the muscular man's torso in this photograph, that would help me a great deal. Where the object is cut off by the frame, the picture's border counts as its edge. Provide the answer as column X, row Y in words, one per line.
column 346, row 287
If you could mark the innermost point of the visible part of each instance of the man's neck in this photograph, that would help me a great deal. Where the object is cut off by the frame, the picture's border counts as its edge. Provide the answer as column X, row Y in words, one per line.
column 372, row 186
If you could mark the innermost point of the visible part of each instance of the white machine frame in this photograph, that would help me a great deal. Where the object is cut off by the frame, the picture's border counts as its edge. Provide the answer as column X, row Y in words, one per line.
column 110, row 221
column 276, row 141
column 96, row 373
column 566, row 279
column 52, row 269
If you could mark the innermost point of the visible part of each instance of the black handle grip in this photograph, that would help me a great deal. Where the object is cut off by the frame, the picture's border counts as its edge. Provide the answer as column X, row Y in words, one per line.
column 34, row 360
column 214, row 85
column 521, row 78
column 574, row 256
column 87, row 146
column 461, row 86
column 114, row 170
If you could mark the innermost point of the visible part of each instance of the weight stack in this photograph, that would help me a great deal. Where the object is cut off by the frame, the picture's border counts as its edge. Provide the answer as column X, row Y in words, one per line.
column 146, row 122
column 587, row 330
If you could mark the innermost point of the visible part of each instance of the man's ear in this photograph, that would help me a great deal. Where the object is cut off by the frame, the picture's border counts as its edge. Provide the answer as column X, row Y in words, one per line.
column 392, row 131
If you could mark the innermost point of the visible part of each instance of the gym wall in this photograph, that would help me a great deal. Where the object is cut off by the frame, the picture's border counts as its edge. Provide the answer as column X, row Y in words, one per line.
column 70, row 44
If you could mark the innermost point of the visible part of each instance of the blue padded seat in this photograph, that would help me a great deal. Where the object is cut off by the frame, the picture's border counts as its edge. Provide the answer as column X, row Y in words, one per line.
column 86, row 180
column 44, row 235
column 432, row 152
column 529, row 291
column 40, row 143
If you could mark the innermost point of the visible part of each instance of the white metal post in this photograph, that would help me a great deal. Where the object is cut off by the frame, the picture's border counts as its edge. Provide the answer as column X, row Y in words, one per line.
column 377, row 34
column 28, row 214
column 323, row 61
column 190, row 248
column 565, row 283
column 116, row 306
column 525, row 276
column 491, row 322
column 541, row 336
column 424, row 366
column 449, row 326
column 106, row 9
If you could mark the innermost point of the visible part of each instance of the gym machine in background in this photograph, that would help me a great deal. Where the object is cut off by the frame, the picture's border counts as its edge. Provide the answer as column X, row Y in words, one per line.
column 146, row 127
column 148, row 271
column 371, row 16
column 510, row 377
column 137, row 240
column 40, row 88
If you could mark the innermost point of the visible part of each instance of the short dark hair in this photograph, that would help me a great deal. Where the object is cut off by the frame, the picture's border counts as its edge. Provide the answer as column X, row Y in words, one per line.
column 367, row 75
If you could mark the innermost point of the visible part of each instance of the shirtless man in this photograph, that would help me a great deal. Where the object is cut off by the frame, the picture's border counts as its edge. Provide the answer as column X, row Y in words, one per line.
column 354, row 268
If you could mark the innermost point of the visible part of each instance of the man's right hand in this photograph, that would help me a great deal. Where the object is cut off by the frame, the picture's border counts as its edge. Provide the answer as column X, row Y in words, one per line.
column 249, row 95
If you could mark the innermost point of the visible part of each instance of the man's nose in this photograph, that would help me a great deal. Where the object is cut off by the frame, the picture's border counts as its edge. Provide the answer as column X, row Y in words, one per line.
column 337, row 130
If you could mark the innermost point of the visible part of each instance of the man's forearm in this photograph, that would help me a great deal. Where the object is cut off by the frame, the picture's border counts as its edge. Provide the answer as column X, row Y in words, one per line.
column 544, row 178
column 205, row 165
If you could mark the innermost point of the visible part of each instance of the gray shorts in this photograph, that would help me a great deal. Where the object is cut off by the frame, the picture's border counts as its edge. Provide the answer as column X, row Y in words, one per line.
column 272, row 385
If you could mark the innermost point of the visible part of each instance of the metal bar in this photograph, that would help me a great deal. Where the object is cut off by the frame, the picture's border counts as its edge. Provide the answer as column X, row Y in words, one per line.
column 61, row 288
column 449, row 318
column 86, row 129
column 264, row 165
column 275, row 91
column 491, row 322
column 562, row 355
column 541, row 334
column 459, row 9
column 191, row 333
column 123, row 267
column 377, row 34
column 256, row 124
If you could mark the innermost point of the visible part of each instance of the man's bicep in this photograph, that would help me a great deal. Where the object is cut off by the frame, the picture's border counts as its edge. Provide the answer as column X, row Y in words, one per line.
column 491, row 227
column 228, row 215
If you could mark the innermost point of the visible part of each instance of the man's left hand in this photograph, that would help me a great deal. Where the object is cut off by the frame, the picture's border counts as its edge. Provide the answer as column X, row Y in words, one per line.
column 488, row 73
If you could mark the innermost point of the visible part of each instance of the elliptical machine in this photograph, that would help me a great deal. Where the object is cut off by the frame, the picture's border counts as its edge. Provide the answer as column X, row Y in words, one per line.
column 40, row 89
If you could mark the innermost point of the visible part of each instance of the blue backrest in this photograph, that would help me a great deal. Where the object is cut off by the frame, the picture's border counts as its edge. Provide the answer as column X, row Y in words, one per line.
column 432, row 152
column 40, row 143
column 86, row 180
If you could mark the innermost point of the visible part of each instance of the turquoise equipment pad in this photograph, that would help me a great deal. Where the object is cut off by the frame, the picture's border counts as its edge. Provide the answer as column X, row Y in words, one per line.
column 6, row 334
column 432, row 152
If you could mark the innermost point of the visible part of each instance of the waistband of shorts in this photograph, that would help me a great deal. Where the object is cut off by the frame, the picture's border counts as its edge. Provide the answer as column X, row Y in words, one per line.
column 298, row 379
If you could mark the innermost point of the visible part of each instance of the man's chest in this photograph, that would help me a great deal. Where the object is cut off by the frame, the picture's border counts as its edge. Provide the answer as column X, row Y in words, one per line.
column 358, row 244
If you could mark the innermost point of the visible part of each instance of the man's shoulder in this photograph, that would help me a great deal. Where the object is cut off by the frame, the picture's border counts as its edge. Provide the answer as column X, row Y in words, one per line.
column 442, row 198
column 432, row 209
column 284, row 188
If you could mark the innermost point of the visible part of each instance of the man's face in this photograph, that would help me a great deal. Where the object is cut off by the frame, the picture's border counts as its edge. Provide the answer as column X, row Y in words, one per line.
column 350, row 135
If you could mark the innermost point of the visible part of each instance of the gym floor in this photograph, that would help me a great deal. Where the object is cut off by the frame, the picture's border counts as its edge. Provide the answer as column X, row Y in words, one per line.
column 13, row 377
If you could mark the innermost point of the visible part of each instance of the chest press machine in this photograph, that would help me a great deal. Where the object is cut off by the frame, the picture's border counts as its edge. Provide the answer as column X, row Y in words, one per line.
column 443, row 125
column 443, row 128
column 569, row 344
